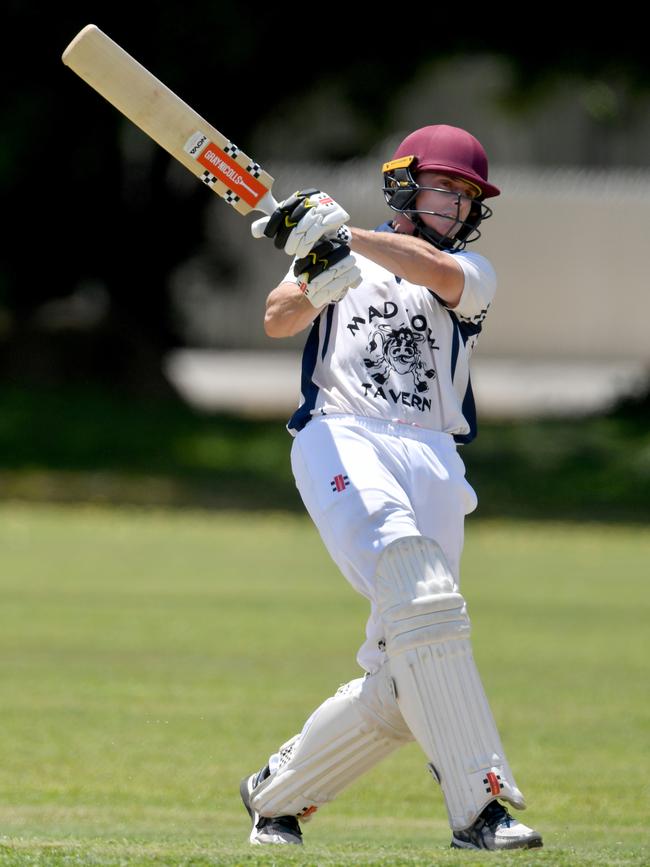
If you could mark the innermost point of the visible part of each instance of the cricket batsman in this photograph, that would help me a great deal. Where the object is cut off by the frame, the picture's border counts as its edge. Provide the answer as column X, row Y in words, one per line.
column 393, row 316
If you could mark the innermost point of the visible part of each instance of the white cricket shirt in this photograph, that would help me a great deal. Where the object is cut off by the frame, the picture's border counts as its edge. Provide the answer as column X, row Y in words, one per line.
column 390, row 349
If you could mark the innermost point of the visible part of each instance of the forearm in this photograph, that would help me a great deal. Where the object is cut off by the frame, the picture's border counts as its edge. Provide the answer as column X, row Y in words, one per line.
column 288, row 312
column 413, row 259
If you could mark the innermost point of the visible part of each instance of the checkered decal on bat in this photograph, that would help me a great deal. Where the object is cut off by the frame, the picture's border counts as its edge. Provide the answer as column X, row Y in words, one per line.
column 339, row 483
column 229, row 196
column 227, row 170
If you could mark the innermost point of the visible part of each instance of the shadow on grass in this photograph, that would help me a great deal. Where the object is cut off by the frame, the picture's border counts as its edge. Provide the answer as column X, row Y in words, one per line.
column 87, row 446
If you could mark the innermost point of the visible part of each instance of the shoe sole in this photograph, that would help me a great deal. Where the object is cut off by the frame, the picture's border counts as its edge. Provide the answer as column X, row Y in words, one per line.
column 536, row 843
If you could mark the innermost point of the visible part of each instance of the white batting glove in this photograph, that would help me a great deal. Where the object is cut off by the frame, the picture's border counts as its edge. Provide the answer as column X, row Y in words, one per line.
column 327, row 272
column 301, row 221
column 323, row 218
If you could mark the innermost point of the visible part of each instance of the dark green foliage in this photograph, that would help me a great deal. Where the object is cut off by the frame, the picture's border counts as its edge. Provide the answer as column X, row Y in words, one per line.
column 161, row 452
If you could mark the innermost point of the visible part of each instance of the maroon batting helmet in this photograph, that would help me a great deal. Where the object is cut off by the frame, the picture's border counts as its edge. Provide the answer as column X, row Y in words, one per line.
column 447, row 150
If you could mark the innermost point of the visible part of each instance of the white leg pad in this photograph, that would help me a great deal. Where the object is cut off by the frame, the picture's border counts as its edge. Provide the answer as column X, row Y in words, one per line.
column 343, row 738
column 439, row 690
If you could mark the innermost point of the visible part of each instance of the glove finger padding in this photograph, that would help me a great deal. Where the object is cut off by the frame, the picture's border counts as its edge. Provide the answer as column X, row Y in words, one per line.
column 327, row 273
column 283, row 220
column 324, row 255
column 301, row 221
column 316, row 217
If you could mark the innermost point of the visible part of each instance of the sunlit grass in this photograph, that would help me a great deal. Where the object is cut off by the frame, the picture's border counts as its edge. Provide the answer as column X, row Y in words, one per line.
column 149, row 659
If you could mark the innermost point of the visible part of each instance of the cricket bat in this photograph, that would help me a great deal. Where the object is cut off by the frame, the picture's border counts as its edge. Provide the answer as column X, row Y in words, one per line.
column 169, row 121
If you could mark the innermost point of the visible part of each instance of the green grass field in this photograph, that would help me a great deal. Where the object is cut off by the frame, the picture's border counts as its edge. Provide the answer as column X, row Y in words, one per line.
column 150, row 659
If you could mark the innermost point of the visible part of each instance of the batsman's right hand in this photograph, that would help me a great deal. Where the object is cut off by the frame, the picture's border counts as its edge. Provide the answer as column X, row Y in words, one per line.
column 327, row 272
column 301, row 221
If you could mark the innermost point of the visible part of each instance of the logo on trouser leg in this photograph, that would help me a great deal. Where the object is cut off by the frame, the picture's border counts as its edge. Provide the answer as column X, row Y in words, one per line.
column 493, row 783
column 339, row 483
column 306, row 813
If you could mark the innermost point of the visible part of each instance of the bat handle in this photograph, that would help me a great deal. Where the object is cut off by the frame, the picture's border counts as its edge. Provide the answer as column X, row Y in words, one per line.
column 267, row 204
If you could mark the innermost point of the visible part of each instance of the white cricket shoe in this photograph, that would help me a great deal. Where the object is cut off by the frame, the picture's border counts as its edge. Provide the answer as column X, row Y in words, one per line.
column 279, row 829
column 496, row 829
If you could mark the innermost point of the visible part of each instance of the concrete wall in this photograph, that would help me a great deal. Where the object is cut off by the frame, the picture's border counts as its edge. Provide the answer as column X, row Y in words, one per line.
column 570, row 251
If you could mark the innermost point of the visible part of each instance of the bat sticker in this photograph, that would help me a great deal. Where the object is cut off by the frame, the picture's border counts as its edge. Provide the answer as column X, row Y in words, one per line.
column 220, row 164
column 195, row 144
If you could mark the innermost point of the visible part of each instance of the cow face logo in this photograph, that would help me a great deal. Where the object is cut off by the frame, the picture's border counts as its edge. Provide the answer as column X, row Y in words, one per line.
column 397, row 349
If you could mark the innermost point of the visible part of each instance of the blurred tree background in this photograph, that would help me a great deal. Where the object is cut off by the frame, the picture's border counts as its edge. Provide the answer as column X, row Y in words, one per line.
column 97, row 218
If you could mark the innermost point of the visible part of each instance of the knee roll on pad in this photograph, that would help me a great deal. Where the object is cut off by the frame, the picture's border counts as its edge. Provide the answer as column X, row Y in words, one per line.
column 417, row 595
column 438, row 686
column 344, row 737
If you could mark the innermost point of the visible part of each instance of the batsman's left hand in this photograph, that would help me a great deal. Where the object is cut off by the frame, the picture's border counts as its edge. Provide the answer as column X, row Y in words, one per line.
column 301, row 221
column 327, row 272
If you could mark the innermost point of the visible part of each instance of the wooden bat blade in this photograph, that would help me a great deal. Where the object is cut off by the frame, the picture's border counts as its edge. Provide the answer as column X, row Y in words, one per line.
column 169, row 121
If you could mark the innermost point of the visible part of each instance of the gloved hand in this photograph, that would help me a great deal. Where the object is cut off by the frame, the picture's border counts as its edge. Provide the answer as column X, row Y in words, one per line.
column 327, row 272
column 301, row 221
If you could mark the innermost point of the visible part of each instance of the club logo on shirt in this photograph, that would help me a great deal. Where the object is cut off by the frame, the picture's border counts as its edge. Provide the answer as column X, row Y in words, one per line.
column 397, row 349
column 393, row 358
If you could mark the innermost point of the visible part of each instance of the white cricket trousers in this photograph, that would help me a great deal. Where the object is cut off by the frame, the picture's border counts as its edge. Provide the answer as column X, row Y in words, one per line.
column 367, row 482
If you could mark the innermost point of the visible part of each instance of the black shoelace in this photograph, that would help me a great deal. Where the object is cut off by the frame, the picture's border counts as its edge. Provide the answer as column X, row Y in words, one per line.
column 494, row 814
